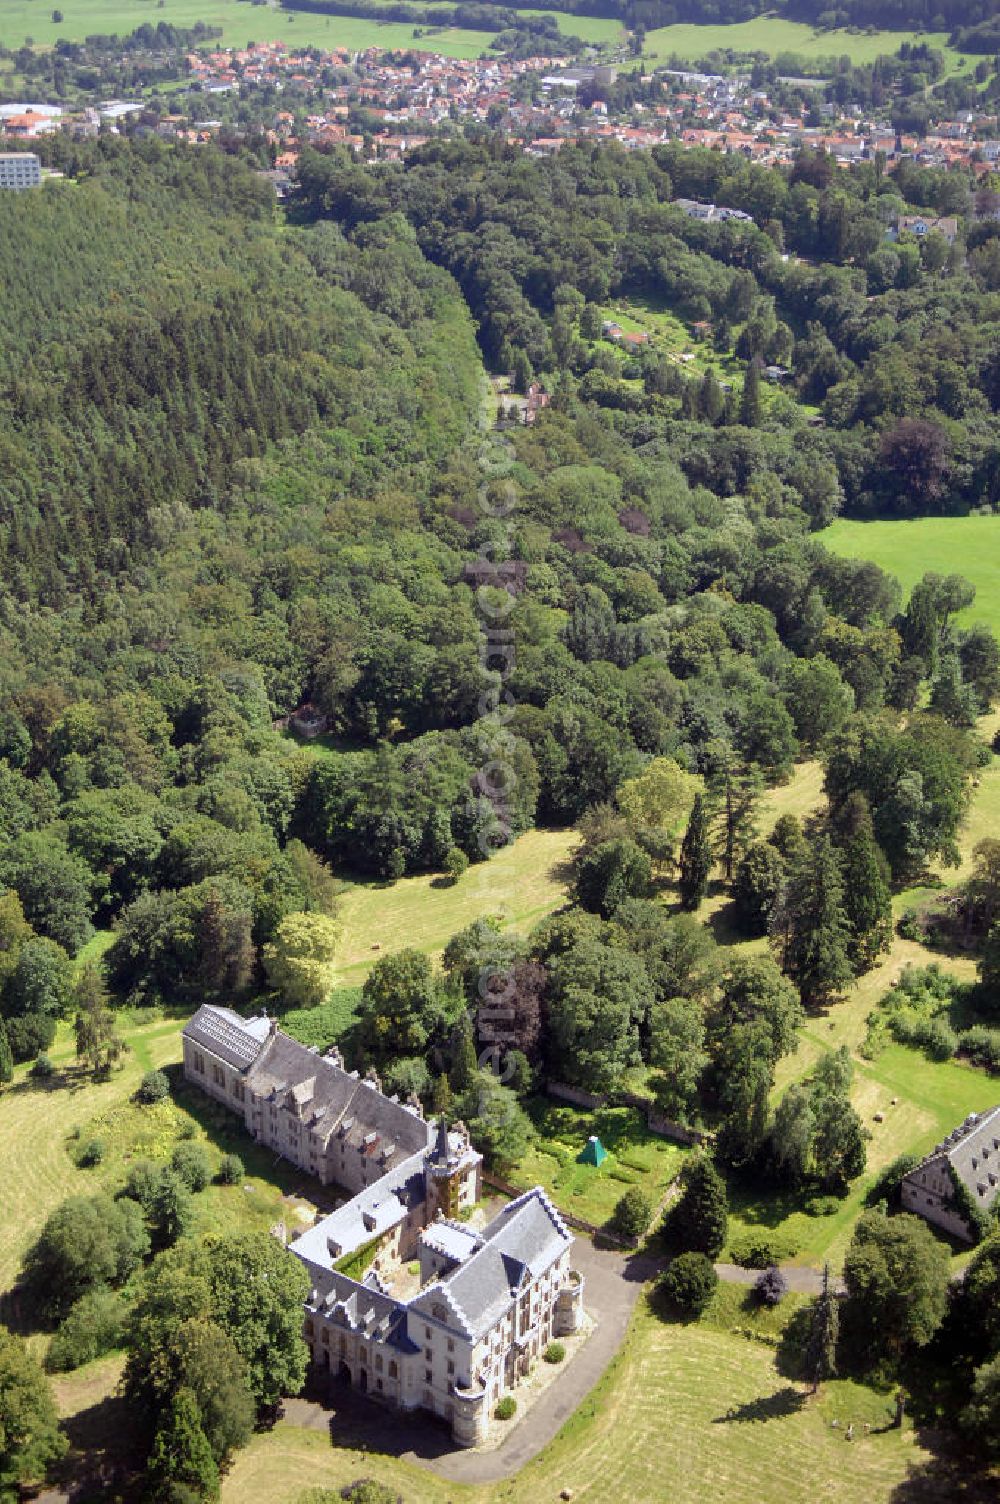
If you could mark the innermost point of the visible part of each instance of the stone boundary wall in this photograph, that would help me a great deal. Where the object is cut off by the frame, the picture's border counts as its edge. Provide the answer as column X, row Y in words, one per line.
column 656, row 1122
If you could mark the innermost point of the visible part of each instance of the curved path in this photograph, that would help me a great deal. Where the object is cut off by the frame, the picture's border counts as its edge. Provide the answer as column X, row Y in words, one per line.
column 614, row 1283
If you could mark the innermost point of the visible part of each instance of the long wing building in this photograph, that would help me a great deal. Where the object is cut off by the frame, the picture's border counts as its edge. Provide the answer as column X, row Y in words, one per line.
column 462, row 1332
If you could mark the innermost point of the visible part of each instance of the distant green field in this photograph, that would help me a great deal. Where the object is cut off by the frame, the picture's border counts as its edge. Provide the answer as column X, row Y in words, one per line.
column 242, row 22
column 948, row 545
column 602, row 31
column 768, row 34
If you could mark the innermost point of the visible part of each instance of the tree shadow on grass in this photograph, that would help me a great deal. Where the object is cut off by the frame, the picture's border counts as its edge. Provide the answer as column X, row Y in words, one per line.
column 945, row 1480
column 777, row 1406
column 104, row 1459
column 71, row 1078
column 226, row 1130
column 725, row 925
column 790, row 1357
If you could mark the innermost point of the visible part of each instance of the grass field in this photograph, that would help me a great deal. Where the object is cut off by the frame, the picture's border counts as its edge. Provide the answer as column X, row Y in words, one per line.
column 242, row 22
column 948, row 545
column 931, row 1098
column 38, row 1122
column 685, row 1414
column 635, row 1157
column 773, row 35
column 522, row 883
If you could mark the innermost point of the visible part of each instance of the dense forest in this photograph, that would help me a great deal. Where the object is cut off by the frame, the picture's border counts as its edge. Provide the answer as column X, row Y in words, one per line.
column 240, row 471
column 250, row 460
column 812, row 279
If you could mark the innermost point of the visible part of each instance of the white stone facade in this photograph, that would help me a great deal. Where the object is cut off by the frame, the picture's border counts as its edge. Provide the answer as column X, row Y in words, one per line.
column 972, row 1154
column 487, row 1302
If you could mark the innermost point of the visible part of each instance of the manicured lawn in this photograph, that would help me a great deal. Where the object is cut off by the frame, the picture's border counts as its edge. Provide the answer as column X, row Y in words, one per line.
column 773, row 35
column 100, row 942
column 635, row 1157
column 947, row 545
column 523, row 883
column 686, row 1413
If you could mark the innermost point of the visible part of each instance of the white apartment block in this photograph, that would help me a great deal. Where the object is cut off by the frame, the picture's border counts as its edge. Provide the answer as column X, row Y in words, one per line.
column 19, row 169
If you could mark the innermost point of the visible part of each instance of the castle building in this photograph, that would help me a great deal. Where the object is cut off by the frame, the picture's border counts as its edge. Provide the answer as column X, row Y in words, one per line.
column 452, row 1338
column 968, row 1157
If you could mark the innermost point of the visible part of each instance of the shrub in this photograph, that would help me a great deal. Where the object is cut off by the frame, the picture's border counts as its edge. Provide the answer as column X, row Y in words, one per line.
column 888, row 1183
column 554, row 1353
column 506, row 1407
column 94, row 1325
column 982, row 1047
column 29, row 1035
column 188, row 1129
column 43, row 1069
column 153, row 1087
column 770, row 1286
column 821, row 1206
column 231, row 1170
column 759, row 1252
column 361, row 1491
column 191, row 1164
column 455, row 863
column 90, row 1154
column 142, row 1183
column 909, row 925
column 689, row 1283
column 630, row 1217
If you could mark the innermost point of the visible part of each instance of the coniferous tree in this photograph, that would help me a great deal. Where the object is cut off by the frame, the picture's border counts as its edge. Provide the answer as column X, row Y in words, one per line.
column 867, row 900
column 738, row 794
column 817, row 956
column 6, row 1058
column 443, row 1098
column 750, row 399
column 711, row 400
column 699, row 1220
column 520, row 372
column 464, row 1063
column 821, row 1346
column 695, row 863
column 181, row 1452
column 97, row 1040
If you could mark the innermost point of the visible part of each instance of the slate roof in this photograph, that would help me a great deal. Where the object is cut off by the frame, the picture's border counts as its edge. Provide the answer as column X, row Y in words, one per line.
column 524, row 1240
column 384, row 1203
column 451, row 1239
column 359, row 1307
column 330, row 1100
column 237, row 1041
column 973, row 1151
